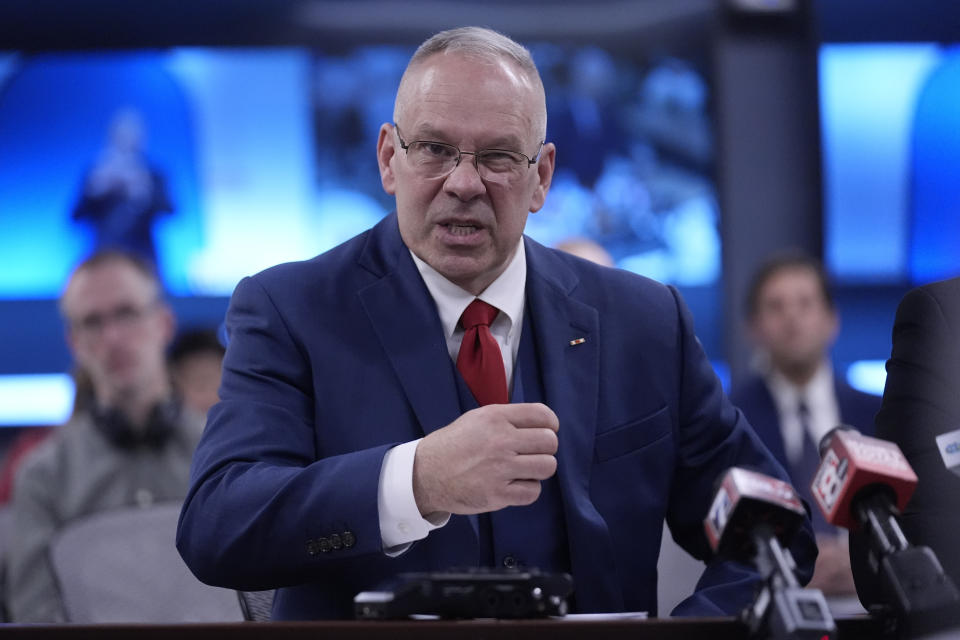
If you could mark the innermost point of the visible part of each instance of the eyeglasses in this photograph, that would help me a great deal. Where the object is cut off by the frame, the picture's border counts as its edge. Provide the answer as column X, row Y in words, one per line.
column 438, row 159
column 125, row 316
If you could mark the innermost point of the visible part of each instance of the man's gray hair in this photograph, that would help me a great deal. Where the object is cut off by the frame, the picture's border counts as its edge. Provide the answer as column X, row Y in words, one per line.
column 103, row 257
column 477, row 42
column 481, row 44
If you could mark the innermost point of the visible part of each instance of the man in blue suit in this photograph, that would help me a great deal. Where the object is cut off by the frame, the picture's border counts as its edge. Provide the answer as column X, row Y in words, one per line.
column 795, row 397
column 348, row 447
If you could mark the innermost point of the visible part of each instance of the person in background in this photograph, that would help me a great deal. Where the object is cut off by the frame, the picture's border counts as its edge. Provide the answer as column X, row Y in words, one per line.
column 25, row 441
column 129, row 443
column 586, row 249
column 442, row 391
column 921, row 400
column 196, row 363
column 123, row 193
column 795, row 396
column 29, row 438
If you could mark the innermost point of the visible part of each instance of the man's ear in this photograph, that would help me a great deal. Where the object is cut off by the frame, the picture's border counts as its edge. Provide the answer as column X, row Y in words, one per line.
column 168, row 323
column 548, row 156
column 834, row 326
column 753, row 330
column 386, row 150
column 70, row 338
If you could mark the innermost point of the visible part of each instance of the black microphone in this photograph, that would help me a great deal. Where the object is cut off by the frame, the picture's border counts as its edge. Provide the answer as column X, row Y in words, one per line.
column 751, row 519
column 864, row 483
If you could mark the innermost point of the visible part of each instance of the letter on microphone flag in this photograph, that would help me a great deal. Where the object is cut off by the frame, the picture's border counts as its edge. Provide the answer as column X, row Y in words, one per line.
column 830, row 478
column 949, row 446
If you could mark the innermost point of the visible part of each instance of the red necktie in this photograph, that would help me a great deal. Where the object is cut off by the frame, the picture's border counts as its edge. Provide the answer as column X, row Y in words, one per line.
column 480, row 361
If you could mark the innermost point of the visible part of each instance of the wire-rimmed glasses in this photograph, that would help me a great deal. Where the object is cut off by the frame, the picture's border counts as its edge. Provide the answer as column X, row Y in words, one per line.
column 432, row 159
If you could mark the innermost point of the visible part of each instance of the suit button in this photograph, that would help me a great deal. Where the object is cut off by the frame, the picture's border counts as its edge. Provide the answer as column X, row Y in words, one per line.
column 336, row 542
column 312, row 547
column 509, row 562
column 324, row 545
column 348, row 539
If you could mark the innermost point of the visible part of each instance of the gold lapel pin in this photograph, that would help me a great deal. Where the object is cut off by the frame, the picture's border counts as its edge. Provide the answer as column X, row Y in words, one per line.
column 574, row 343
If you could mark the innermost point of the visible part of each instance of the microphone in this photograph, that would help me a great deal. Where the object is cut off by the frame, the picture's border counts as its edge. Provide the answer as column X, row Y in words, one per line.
column 851, row 463
column 751, row 519
column 864, row 483
column 949, row 446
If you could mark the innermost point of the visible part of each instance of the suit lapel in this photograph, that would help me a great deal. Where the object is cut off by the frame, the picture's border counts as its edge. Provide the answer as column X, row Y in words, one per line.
column 766, row 422
column 405, row 320
column 568, row 335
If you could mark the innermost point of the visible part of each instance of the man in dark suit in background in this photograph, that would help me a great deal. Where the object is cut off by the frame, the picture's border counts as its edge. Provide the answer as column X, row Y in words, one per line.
column 348, row 447
column 796, row 397
column 921, row 400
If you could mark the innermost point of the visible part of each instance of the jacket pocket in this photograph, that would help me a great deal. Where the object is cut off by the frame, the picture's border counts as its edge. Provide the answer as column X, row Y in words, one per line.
column 632, row 436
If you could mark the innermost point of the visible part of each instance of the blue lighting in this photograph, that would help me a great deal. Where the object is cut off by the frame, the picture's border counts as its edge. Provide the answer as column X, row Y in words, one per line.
column 35, row 400
column 868, row 376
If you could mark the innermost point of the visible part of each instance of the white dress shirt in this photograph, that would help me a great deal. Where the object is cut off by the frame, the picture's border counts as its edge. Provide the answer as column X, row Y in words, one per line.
column 400, row 521
column 821, row 400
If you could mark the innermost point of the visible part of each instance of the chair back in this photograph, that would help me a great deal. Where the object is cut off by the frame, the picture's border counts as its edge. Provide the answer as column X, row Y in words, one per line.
column 123, row 566
column 677, row 574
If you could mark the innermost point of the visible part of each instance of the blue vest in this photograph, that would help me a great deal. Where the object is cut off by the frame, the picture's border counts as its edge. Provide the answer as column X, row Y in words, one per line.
column 533, row 536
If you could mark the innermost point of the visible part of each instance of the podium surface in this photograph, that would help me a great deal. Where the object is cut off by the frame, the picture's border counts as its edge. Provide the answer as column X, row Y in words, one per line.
column 659, row 629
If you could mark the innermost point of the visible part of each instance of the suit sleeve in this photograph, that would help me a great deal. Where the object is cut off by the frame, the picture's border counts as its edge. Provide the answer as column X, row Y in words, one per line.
column 260, row 496
column 920, row 402
column 714, row 436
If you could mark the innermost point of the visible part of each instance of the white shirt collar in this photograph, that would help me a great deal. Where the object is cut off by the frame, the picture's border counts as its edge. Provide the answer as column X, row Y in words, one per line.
column 821, row 401
column 505, row 293
column 817, row 392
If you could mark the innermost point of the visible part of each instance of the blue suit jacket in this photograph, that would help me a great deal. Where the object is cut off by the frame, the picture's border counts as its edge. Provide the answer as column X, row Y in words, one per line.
column 335, row 360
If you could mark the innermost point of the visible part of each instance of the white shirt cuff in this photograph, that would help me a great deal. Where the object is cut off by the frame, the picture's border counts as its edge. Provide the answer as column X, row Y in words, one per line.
column 400, row 521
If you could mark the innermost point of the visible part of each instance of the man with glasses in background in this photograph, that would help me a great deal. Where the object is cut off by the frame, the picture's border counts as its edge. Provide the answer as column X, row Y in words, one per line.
column 131, row 446
column 442, row 391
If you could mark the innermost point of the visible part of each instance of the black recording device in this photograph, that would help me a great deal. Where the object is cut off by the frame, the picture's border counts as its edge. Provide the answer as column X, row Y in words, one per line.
column 468, row 593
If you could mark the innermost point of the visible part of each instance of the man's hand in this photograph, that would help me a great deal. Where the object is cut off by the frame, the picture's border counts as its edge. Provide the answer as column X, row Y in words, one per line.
column 832, row 573
column 487, row 459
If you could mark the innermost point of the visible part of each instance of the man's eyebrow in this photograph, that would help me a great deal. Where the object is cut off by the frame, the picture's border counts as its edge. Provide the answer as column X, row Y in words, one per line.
column 426, row 132
column 507, row 143
column 429, row 133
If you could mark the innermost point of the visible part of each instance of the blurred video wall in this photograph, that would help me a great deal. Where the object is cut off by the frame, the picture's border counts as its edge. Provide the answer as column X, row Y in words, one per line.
column 890, row 116
column 220, row 162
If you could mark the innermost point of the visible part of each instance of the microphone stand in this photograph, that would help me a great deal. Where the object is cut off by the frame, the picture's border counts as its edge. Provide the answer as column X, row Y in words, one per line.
column 922, row 597
column 783, row 610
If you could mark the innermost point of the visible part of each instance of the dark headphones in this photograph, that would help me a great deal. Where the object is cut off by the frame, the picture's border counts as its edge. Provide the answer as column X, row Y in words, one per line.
column 116, row 427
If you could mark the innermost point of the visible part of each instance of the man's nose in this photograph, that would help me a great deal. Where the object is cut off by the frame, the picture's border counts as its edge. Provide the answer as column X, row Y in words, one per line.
column 464, row 181
column 114, row 329
column 111, row 332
